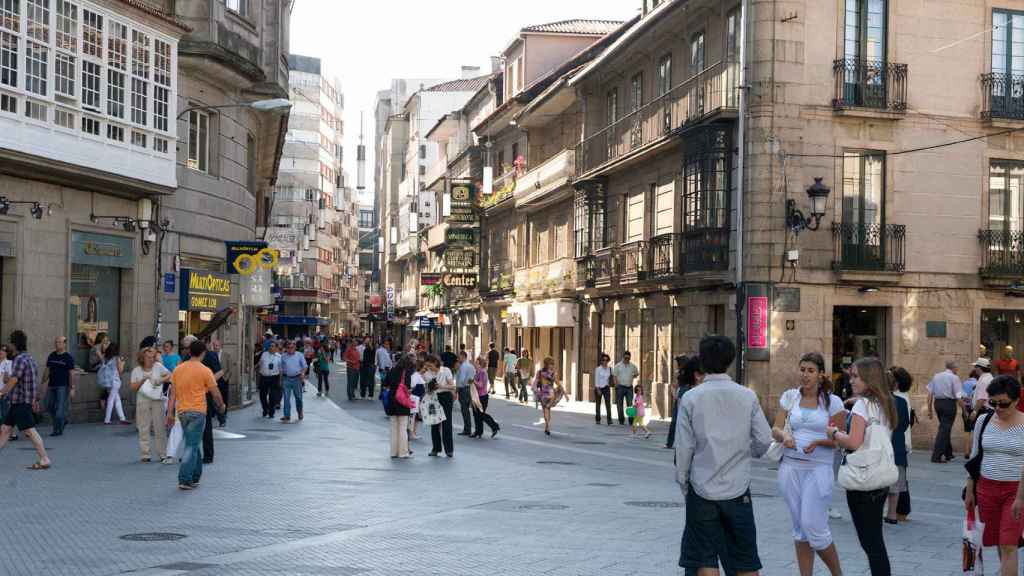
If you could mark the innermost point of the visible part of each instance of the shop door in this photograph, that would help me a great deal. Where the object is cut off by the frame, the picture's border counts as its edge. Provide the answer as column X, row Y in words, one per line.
column 94, row 308
column 999, row 329
column 858, row 332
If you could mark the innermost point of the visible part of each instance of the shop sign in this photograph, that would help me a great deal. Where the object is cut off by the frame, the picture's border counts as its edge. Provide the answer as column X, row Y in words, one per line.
column 256, row 288
column 459, row 280
column 459, row 258
column 169, row 282
column 460, row 237
column 204, row 291
column 102, row 250
column 464, row 210
column 757, row 325
column 430, row 279
column 283, row 238
column 247, row 257
column 389, row 302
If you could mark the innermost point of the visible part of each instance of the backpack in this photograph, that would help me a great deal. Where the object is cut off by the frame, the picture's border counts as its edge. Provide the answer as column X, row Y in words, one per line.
column 873, row 465
column 107, row 374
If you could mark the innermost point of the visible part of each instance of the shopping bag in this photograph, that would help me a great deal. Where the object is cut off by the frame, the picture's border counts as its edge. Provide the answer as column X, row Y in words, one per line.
column 972, row 562
column 174, row 440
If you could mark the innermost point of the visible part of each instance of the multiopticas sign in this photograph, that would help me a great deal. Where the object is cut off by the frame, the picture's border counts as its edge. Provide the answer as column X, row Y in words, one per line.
column 204, row 291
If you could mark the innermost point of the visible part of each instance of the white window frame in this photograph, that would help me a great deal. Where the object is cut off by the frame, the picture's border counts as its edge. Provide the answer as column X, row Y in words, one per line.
column 198, row 152
column 240, row 7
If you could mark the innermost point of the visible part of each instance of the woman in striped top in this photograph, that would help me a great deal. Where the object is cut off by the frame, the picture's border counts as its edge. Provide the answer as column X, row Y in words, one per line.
column 999, row 491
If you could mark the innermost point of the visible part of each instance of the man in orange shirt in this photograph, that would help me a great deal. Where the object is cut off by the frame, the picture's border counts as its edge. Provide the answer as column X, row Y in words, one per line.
column 353, row 360
column 190, row 383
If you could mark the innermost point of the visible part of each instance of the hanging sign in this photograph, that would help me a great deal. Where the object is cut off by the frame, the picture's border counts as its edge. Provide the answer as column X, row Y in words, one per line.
column 460, row 237
column 245, row 258
column 459, row 258
column 757, row 322
column 463, row 209
column 204, row 291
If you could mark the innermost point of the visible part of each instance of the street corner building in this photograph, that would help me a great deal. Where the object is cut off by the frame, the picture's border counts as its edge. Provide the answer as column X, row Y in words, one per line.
column 831, row 178
column 129, row 154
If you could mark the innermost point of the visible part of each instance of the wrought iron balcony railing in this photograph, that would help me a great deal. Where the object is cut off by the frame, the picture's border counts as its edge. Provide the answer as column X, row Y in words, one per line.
column 666, row 255
column 633, row 263
column 706, row 250
column 1002, row 252
column 597, row 270
column 870, row 84
column 870, row 247
column 1002, row 96
column 713, row 89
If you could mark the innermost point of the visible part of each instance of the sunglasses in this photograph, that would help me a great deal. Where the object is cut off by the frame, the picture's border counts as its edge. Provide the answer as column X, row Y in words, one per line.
column 1005, row 404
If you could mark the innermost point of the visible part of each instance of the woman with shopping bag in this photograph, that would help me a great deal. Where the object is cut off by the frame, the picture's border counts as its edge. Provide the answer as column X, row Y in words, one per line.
column 147, row 381
column 437, row 413
column 995, row 473
column 870, row 466
column 398, row 406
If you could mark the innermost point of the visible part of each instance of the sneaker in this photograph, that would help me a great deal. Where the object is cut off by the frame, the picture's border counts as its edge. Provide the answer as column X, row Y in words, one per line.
column 494, row 432
column 167, row 460
column 285, row 419
column 834, row 514
column 186, row 487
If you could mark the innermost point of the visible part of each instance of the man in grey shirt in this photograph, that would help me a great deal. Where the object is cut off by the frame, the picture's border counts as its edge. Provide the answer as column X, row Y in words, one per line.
column 465, row 376
column 720, row 426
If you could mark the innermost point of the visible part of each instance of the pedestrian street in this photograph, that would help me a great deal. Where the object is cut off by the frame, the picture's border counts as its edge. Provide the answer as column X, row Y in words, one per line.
column 321, row 497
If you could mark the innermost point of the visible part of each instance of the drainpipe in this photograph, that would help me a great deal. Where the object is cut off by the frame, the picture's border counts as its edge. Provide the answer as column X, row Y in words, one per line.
column 740, row 187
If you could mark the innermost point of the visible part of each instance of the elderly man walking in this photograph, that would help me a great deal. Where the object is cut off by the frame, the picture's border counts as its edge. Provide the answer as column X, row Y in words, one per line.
column 943, row 391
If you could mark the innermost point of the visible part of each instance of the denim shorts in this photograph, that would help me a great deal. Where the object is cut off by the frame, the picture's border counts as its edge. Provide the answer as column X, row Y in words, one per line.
column 719, row 530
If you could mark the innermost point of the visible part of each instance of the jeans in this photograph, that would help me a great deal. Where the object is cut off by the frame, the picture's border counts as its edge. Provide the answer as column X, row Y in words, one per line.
column 524, row 389
column 366, row 383
column 510, row 385
column 292, row 386
column 323, row 383
column 481, row 417
column 353, row 382
column 191, row 468
column 58, row 403
column 465, row 405
column 606, row 394
column 442, row 433
column 623, row 393
column 866, row 512
column 945, row 408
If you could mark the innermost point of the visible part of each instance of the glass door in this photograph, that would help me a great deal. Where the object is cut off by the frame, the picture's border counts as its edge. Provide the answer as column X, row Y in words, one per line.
column 863, row 210
column 865, row 52
column 1007, row 90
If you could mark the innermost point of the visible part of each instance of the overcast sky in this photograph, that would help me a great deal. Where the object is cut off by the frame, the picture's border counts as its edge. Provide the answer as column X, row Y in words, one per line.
column 366, row 44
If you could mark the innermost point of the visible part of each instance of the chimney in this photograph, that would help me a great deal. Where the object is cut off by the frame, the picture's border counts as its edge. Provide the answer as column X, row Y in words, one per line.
column 470, row 72
column 497, row 64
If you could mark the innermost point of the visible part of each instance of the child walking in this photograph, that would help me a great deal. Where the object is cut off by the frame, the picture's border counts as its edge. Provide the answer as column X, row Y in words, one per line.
column 641, row 408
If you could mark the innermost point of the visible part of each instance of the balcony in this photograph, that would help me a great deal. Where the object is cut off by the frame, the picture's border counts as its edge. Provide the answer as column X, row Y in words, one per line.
column 666, row 255
column 502, row 189
column 869, row 247
column 546, row 280
column 406, row 247
column 436, row 235
column 702, row 96
column 500, row 280
column 870, row 85
column 706, row 250
column 408, row 298
column 633, row 263
column 597, row 270
column 1002, row 96
column 549, row 176
column 1002, row 253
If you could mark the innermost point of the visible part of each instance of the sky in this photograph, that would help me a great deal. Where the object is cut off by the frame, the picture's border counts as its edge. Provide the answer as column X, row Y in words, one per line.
column 366, row 44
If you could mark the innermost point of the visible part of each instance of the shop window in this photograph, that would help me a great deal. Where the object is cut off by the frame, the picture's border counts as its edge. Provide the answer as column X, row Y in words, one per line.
column 94, row 308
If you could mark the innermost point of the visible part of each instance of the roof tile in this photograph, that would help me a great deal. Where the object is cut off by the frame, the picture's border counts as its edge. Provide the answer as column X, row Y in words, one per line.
column 576, row 26
column 460, row 85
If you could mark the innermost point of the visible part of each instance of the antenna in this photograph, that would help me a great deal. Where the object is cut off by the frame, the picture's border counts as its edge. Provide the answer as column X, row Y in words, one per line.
column 361, row 158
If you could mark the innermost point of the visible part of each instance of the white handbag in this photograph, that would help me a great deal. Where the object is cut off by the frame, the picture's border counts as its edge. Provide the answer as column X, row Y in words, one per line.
column 431, row 410
column 152, row 390
column 776, row 449
column 873, row 465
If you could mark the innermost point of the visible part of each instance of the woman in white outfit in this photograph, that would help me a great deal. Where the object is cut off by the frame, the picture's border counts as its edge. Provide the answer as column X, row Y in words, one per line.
column 805, row 474
column 113, row 366
column 147, row 380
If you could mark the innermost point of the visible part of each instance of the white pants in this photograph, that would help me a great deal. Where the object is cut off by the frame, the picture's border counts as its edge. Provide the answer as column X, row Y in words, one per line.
column 399, row 436
column 174, row 440
column 807, row 489
column 114, row 400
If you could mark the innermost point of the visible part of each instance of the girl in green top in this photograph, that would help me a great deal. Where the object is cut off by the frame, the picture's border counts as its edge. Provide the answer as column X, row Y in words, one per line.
column 323, row 371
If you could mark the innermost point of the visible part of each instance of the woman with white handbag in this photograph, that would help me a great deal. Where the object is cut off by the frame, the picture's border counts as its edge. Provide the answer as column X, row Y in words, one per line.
column 805, row 472
column 147, row 380
column 870, row 467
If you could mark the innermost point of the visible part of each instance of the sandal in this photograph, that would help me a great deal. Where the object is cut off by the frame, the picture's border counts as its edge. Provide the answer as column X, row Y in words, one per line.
column 39, row 466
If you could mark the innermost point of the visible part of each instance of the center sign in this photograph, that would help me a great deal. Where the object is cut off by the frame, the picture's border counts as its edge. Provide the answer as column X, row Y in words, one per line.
column 449, row 280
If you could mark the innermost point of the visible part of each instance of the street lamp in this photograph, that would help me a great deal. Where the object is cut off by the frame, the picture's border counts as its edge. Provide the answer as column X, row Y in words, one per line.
column 271, row 105
column 795, row 219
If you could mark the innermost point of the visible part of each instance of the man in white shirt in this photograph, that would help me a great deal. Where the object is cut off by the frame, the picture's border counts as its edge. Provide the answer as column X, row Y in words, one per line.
column 603, row 389
column 465, row 376
column 510, row 373
column 384, row 361
column 720, row 427
column 624, row 373
column 270, row 380
column 943, row 391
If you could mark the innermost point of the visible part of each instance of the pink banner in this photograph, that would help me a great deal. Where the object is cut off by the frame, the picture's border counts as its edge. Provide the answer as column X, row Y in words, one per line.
column 757, row 322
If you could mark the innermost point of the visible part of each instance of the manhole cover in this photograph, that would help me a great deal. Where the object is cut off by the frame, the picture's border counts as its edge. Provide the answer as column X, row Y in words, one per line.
column 588, row 443
column 602, row 484
column 153, row 537
column 556, row 462
column 654, row 504
column 542, row 507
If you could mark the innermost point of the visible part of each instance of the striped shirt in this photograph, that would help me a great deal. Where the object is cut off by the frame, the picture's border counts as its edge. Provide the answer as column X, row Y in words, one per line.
column 1003, row 456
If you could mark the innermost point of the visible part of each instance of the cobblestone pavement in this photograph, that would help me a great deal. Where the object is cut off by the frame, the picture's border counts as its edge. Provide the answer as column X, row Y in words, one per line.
column 322, row 497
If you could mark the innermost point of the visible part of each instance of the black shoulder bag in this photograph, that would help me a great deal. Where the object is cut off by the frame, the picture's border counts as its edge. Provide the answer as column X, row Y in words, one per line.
column 973, row 465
